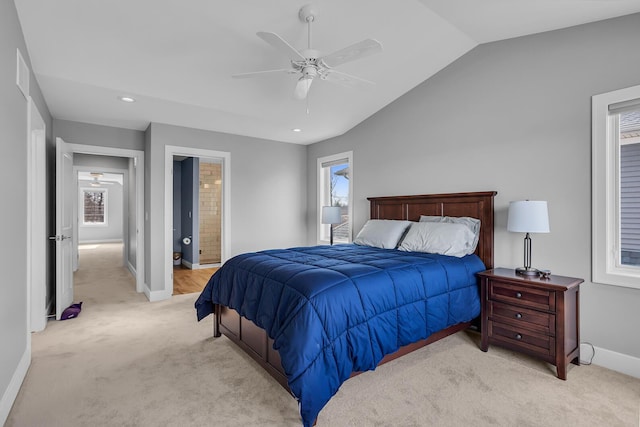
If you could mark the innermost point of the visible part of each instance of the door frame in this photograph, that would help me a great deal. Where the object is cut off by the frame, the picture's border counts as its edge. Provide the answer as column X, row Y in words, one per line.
column 138, row 159
column 64, row 226
column 225, row 157
column 36, row 220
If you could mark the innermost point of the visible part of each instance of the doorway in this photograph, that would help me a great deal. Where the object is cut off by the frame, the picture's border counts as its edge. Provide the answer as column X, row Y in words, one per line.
column 197, row 214
column 197, row 221
column 102, row 207
column 134, row 238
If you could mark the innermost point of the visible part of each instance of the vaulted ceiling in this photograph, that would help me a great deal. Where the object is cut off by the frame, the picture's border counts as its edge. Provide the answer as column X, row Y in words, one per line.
column 176, row 58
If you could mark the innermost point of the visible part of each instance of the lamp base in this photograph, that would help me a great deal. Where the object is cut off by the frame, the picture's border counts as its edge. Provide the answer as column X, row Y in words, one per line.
column 527, row 271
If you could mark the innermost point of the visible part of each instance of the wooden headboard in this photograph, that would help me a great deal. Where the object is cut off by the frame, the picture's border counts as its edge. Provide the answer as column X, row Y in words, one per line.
column 476, row 205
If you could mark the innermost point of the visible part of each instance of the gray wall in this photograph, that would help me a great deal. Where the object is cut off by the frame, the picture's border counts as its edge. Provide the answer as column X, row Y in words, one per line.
column 115, row 214
column 98, row 162
column 105, row 136
column 13, row 193
column 512, row 116
column 268, row 191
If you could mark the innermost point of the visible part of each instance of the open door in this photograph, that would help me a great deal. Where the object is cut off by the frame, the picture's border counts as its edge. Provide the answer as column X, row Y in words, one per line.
column 65, row 193
column 37, row 229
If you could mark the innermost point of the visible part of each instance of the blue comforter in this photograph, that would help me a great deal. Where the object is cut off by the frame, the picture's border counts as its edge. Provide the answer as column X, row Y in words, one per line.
column 334, row 310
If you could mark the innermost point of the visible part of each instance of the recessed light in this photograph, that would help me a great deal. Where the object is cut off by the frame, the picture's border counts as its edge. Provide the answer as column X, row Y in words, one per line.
column 126, row 99
column 297, row 130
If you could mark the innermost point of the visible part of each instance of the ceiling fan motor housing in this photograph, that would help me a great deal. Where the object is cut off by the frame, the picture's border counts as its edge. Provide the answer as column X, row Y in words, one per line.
column 310, row 72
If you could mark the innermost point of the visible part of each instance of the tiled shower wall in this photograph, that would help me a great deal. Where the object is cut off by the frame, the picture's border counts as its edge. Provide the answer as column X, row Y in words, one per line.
column 210, row 212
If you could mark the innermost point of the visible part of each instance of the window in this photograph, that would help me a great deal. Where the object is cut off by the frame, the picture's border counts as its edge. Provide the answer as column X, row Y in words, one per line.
column 616, row 187
column 335, row 183
column 94, row 206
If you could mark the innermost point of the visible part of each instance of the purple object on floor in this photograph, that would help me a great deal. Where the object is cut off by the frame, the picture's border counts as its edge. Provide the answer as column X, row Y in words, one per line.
column 72, row 311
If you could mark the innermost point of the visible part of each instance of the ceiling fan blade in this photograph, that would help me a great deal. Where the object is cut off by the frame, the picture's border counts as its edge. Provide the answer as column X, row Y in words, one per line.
column 351, row 53
column 345, row 79
column 302, row 88
column 262, row 73
column 280, row 44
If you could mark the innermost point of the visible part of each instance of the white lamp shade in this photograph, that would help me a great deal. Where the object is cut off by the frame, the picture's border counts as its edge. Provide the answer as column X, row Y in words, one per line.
column 528, row 216
column 331, row 215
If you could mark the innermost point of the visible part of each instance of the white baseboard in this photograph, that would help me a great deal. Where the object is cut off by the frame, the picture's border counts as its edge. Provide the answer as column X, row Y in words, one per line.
column 619, row 362
column 49, row 308
column 154, row 296
column 198, row 266
column 208, row 265
column 132, row 269
column 12, row 390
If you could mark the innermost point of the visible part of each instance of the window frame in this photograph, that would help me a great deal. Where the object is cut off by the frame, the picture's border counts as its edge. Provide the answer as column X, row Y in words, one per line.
column 105, row 197
column 605, row 189
column 347, row 156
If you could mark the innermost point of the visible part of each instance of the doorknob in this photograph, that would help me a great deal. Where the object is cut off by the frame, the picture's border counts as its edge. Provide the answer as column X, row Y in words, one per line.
column 59, row 238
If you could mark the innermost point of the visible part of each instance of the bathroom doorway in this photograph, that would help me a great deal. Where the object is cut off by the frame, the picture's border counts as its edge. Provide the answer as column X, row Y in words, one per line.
column 197, row 220
column 197, row 212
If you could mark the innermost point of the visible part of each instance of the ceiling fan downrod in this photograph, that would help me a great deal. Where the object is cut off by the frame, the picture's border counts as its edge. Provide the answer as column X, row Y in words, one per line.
column 307, row 14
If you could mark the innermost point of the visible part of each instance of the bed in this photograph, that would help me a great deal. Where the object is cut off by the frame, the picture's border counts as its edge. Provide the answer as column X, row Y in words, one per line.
column 314, row 316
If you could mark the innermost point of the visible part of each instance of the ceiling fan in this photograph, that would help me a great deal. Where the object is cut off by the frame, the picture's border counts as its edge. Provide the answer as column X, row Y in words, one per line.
column 310, row 65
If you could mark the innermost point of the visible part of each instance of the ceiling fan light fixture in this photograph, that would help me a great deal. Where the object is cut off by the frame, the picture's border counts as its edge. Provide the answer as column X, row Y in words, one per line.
column 302, row 87
column 296, row 130
column 126, row 99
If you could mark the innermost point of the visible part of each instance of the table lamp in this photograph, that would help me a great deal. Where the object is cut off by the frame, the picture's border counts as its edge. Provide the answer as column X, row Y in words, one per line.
column 528, row 216
column 331, row 215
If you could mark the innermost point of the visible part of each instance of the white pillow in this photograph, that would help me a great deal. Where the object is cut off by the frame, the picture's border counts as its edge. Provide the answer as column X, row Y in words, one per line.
column 472, row 223
column 382, row 233
column 438, row 238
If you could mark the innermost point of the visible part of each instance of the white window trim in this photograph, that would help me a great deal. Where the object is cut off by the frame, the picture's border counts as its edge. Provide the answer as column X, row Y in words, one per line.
column 106, row 206
column 348, row 155
column 606, row 267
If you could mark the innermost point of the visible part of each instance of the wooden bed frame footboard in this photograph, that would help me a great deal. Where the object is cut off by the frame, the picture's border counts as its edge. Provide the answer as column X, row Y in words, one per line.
column 254, row 340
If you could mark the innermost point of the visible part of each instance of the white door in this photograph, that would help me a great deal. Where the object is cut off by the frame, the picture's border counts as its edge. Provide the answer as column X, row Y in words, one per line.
column 37, row 230
column 65, row 192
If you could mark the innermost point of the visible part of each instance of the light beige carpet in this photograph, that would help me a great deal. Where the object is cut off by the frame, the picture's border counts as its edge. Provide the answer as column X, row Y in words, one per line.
column 128, row 362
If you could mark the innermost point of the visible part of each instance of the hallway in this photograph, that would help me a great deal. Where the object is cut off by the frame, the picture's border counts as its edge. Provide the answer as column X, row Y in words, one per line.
column 101, row 278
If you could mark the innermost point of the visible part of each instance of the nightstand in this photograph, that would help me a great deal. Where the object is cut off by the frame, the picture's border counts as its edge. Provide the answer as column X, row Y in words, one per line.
column 539, row 317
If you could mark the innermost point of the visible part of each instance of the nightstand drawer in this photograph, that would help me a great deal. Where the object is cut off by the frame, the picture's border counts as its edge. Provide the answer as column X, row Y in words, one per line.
column 533, row 342
column 527, row 296
column 523, row 317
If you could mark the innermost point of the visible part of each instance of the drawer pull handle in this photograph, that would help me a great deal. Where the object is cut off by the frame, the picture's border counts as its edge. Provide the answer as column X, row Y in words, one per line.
column 518, row 337
column 518, row 295
column 518, row 315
